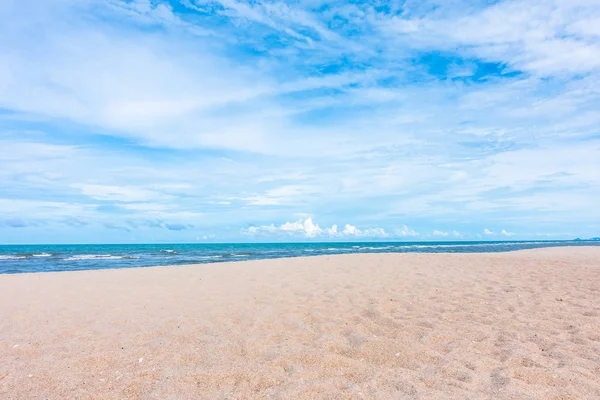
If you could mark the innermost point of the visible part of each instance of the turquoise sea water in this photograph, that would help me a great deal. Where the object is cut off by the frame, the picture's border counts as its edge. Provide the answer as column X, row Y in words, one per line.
column 42, row 258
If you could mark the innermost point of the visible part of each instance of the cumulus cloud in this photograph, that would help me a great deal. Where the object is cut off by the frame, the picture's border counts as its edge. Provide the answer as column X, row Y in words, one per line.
column 486, row 231
column 438, row 233
column 333, row 231
column 309, row 229
column 378, row 232
column 350, row 230
column 405, row 231
column 306, row 227
column 505, row 233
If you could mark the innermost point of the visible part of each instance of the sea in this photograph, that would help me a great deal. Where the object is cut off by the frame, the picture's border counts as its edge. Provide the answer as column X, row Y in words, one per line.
column 15, row 259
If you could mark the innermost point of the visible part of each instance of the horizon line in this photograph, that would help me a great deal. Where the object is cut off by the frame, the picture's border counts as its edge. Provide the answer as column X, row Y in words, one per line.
column 594, row 239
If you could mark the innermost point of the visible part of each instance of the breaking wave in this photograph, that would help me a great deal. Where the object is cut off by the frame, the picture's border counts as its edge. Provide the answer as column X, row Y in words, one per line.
column 10, row 258
column 99, row 257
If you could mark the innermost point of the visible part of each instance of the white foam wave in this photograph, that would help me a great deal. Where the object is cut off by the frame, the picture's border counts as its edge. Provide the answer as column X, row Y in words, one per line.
column 441, row 246
column 11, row 258
column 42, row 255
column 98, row 257
column 435, row 246
column 168, row 251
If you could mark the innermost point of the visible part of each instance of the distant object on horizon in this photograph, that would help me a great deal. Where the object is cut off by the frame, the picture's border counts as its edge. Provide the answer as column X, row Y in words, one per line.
column 587, row 240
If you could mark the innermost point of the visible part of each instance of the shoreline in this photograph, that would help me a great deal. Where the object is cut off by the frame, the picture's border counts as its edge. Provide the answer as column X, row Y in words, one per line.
column 519, row 324
column 508, row 251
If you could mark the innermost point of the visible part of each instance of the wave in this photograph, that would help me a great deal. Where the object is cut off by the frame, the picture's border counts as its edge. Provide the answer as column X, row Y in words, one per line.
column 99, row 257
column 168, row 251
column 42, row 255
column 436, row 246
column 222, row 256
column 11, row 258
column 337, row 249
column 375, row 247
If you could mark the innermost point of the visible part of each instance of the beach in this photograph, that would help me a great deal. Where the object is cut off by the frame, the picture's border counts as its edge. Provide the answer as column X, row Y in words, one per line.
column 514, row 325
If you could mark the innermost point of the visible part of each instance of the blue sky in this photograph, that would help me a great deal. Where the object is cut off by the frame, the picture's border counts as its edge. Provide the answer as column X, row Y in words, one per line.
column 200, row 121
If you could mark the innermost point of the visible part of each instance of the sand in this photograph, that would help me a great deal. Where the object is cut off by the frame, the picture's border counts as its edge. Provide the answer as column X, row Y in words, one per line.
column 520, row 325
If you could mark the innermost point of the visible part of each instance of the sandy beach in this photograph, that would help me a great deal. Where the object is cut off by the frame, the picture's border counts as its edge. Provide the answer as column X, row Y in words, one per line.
column 519, row 325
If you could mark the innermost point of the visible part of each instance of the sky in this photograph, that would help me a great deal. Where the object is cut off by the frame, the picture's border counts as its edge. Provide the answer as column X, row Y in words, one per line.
column 233, row 121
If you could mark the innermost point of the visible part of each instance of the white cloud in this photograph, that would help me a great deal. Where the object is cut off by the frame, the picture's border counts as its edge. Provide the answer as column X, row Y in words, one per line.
column 333, row 231
column 306, row 228
column 486, row 231
column 439, row 233
column 505, row 233
column 145, row 207
column 351, row 230
column 405, row 231
column 280, row 195
column 119, row 193
column 43, row 209
column 526, row 36
column 375, row 232
column 309, row 229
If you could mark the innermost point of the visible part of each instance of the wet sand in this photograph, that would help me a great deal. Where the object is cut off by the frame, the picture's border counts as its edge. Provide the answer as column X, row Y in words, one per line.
column 519, row 325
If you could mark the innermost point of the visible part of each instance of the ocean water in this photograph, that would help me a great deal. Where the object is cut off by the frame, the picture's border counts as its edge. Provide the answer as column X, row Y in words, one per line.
column 43, row 258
